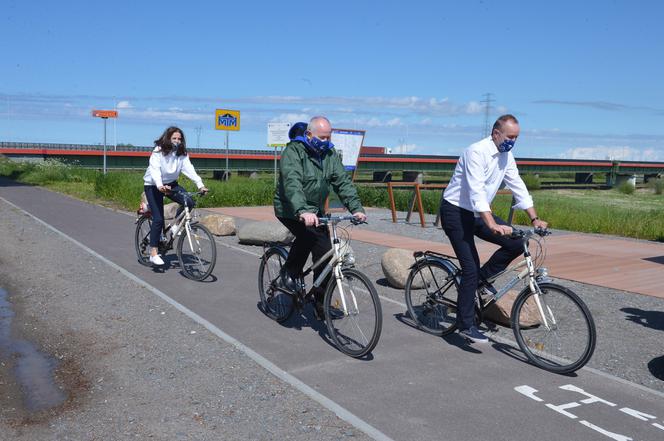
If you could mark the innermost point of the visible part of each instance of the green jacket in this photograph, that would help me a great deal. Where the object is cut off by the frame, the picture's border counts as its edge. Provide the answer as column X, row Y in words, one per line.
column 304, row 182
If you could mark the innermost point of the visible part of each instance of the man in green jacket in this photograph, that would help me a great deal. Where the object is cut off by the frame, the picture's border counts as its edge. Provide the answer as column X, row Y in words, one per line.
column 309, row 166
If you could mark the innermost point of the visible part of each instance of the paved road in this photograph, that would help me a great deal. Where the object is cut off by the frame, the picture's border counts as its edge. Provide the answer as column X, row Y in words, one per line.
column 416, row 386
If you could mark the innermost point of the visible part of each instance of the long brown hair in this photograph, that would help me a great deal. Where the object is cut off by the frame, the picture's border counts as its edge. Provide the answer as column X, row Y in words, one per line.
column 164, row 141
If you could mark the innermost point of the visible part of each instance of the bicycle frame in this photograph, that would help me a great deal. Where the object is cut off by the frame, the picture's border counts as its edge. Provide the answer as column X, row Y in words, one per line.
column 528, row 273
column 335, row 263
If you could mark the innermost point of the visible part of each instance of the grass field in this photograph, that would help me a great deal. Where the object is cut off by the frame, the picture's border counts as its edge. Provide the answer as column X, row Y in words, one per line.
column 638, row 215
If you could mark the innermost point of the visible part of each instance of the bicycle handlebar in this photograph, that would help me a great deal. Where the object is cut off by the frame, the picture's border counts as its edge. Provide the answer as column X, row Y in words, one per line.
column 518, row 234
column 336, row 219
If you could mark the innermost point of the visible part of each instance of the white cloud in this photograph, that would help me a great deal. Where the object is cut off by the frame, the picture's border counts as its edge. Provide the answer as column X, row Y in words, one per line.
column 291, row 117
column 625, row 153
column 403, row 149
column 124, row 105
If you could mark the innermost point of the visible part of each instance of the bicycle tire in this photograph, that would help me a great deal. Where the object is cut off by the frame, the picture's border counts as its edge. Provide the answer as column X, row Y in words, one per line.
column 567, row 341
column 142, row 240
column 275, row 303
column 363, row 306
column 197, row 263
column 431, row 297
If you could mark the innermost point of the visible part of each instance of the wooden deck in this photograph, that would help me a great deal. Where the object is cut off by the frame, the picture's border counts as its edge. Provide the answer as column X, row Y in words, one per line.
column 628, row 265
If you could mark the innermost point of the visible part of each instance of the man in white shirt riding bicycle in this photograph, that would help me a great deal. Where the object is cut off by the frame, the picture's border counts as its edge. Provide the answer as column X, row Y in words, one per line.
column 466, row 212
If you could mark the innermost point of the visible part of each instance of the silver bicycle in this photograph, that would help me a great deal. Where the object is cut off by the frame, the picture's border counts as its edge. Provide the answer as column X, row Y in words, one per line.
column 552, row 325
column 196, row 248
column 352, row 309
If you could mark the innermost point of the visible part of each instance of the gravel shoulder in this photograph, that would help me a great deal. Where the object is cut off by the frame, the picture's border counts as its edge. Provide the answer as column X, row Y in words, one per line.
column 131, row 365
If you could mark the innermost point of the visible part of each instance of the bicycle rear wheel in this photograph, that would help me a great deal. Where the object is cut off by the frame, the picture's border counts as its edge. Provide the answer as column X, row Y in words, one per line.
column 562, row 340
column 142, row 240
column 431, row 298
column 275, row 303
column 197, row 252
column 357, row 332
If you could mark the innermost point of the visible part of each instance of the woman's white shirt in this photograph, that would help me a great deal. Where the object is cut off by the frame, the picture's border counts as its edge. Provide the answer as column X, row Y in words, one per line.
column 167, row 168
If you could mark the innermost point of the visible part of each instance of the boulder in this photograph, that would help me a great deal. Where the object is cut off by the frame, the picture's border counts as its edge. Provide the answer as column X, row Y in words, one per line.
column 396, row 263
column 257, row 233
column 170, row 210
column 219, row 224
column 499, row 312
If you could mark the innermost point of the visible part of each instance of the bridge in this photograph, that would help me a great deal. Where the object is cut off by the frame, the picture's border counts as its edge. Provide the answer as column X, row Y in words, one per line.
column 131, row 157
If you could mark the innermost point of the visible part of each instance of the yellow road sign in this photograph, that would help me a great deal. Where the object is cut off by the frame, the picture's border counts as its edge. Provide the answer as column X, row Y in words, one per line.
column 227, row 119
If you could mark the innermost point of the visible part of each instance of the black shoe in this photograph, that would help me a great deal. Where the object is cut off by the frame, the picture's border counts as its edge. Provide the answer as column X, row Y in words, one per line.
column 473, row 334
column 287, row 281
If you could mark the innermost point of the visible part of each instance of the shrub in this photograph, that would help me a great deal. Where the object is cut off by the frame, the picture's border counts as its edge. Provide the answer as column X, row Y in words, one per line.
column 626, row 188
column 532, row 182
column 657, row 185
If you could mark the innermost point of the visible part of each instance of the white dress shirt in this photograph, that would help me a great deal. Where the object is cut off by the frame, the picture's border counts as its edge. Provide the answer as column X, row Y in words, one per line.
column 166, row 169
column 478, row 176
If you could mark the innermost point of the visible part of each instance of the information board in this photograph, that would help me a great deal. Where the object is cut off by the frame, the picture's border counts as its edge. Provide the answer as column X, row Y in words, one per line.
column 277, row 134
column 348, row 142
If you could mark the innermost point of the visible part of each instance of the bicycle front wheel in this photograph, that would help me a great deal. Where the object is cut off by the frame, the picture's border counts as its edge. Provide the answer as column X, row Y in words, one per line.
column 197, row 252
column 356, row 330
column 561, row 336
column 431, row 298
column 275, row 303
column 142, row 240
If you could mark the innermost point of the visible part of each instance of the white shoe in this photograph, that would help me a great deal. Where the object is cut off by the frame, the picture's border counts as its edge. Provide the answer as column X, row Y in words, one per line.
column 156, row 260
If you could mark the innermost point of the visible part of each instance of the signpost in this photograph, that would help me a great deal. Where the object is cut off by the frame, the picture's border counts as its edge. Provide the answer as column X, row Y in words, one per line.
column 228, row 120
column 105, row 114
column 277, row 136
column 348, row 142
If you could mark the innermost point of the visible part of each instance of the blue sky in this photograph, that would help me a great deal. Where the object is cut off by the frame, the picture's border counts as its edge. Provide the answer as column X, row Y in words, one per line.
column 584, row 78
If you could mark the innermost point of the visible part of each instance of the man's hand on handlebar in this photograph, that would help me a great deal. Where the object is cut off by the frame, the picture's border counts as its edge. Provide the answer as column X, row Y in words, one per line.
column 203, row 190
column 360, row 217
column 539, row 223
column 501, row 230
column 166, row 189
column 309, row 219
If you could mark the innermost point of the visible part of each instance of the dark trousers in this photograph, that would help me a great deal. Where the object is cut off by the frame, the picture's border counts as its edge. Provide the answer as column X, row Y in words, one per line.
column 461, row 226
column 314, row 240
column 156, row 203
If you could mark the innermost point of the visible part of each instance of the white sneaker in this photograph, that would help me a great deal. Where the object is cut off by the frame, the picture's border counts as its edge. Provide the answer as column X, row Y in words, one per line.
column 156, row 260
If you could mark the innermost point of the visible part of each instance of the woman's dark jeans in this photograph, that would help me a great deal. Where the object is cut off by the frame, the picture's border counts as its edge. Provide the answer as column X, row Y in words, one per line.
column 156, row 202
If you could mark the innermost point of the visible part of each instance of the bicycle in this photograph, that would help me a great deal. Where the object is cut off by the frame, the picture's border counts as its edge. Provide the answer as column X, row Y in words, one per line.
column 349, row 294
column 196, row 248
column 552, row 325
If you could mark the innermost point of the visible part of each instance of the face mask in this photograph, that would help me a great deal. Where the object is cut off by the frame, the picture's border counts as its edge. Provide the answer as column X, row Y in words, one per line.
column 506, row 145
column 175, row 144
column 320, row 145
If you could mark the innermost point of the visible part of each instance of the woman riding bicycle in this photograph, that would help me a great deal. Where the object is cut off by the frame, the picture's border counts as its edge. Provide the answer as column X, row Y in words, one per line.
column 167, row 160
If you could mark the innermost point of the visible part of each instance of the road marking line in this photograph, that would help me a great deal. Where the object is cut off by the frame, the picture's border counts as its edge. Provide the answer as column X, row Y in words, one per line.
column 326, row 402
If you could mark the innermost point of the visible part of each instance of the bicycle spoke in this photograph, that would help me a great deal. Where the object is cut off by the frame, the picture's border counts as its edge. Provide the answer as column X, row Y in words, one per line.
column 357, row 332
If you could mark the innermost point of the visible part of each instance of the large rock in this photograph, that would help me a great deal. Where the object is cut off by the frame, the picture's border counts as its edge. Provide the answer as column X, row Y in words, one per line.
column 257, row 233
column 396, row 263
column 500, row 311
column 219, row 224
column 170, row 210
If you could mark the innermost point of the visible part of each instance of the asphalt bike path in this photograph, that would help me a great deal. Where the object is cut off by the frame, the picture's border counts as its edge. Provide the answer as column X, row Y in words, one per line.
column 414, row 386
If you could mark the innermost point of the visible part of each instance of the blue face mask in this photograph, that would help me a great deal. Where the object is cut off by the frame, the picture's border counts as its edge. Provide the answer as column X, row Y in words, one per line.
column 320, row 145
column 506, row 145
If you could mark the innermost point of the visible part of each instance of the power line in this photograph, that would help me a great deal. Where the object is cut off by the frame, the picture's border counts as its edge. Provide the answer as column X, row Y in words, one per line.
column 487, row 109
